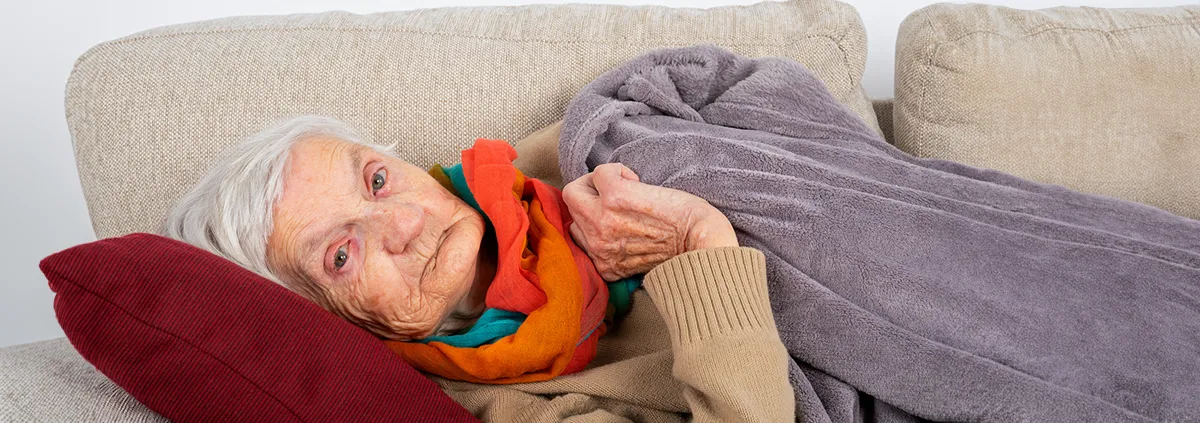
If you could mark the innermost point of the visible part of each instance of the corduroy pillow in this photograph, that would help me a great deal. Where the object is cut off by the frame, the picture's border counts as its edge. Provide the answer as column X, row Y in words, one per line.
column 198, row 338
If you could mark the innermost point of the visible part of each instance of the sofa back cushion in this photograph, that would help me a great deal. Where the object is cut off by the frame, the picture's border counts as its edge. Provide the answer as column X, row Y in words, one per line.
column 149, row 112
column 1099, row 100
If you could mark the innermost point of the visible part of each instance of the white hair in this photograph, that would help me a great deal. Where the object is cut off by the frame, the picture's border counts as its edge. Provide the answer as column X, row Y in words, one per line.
column 229, row 212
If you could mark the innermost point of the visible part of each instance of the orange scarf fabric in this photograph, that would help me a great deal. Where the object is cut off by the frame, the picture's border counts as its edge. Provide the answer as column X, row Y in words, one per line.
column 540, row 272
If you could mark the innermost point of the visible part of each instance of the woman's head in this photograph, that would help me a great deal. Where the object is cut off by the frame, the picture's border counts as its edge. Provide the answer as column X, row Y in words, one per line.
column 308, row 204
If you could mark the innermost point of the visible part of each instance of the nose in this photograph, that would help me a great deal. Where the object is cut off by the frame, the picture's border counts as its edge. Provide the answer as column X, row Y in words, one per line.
column 396, row 225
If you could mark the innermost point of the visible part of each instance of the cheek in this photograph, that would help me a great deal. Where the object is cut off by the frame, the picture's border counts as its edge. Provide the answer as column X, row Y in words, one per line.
column 437, row 196
column 383, row 284
column 462, row 255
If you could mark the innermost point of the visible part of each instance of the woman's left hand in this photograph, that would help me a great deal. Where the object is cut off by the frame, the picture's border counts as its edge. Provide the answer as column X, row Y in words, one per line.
column 628, row 227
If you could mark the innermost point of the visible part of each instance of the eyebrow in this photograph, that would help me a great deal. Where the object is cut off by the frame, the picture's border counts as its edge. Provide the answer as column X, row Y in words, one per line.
column 313, row 244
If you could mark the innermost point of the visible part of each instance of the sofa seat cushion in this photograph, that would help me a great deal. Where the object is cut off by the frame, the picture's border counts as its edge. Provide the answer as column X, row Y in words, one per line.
column 150, row 111
column 48, row 381
column 1105, row 101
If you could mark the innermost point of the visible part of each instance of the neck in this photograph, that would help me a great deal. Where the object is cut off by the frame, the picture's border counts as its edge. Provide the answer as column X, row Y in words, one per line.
column 473, row 304
column 485, row 272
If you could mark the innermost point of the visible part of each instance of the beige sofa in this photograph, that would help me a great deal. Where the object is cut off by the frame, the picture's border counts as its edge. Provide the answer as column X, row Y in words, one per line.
column 1104, row 101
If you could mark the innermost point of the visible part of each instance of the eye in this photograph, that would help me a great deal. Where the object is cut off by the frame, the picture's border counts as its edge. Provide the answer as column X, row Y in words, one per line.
column 378, row 180
column 339, row 258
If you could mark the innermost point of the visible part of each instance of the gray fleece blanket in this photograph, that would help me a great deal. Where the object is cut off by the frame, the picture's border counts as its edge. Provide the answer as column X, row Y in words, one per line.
column 909, row 288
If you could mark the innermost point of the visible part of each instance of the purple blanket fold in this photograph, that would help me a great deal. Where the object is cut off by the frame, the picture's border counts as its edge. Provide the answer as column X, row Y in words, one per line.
column 909, row 288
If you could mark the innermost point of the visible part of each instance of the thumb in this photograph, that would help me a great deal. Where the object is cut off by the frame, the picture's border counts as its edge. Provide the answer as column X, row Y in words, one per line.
column 611, row 176
column 581, row 194
column 629, row 174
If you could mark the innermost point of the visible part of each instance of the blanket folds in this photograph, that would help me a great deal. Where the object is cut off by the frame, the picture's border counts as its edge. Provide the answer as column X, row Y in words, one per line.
column 909, row 288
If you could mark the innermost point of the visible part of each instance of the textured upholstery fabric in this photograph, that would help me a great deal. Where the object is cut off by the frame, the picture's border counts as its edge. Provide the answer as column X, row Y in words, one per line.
column 199, row 339
column 149, row 111
column 883, row 113
column 537, row 155
column 49, row 382
column 1099, row 100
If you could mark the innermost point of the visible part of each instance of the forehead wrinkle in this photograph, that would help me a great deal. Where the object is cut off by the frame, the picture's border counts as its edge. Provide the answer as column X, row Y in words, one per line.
column 356, row 157
column 310, row 245
column 287, row 233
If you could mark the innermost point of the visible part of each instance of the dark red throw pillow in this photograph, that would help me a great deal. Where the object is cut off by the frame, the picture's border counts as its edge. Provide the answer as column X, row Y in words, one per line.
column 198, row 338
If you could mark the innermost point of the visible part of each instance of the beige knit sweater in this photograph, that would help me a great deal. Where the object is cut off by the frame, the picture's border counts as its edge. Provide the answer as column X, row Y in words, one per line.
column 699, row 340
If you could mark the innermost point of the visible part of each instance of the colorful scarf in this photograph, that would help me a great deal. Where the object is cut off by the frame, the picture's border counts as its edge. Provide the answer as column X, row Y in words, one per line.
column 546, row 307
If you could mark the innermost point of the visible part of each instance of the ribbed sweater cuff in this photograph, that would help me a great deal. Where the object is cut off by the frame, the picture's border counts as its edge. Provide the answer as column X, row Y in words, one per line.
column 712, row 293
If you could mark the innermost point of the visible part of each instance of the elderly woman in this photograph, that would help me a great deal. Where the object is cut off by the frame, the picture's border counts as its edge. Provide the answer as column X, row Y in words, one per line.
column 399, row 252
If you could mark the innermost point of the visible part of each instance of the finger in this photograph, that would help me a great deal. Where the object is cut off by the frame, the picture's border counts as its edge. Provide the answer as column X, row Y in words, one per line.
column 607, row 178
column 629, row 174
column 584, row 184
column 581, row 194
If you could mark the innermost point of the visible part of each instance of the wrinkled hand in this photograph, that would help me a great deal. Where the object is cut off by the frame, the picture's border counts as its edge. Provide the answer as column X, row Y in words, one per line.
column 628, row 227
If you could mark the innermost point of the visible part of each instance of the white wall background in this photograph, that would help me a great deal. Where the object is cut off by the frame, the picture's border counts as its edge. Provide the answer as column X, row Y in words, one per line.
column 41, row 204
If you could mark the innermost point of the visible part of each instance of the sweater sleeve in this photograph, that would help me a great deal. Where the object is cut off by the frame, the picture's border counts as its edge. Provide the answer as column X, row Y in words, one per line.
column 725, row 345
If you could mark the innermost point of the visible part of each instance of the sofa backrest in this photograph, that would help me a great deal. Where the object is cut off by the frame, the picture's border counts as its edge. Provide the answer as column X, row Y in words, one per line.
column 149, row 112
column 1105, row 101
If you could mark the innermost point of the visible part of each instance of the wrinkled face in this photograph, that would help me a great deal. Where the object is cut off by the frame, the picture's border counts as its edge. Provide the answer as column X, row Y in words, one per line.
column 373, row 239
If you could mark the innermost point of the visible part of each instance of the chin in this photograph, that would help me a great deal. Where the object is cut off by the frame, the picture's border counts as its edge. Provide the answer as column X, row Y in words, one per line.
column 461, row 316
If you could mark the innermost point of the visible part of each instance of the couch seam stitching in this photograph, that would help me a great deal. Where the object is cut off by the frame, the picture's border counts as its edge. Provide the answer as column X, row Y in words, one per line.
column 1035, row 32
column 927, row 78
column 846, row 59
column 784, row 42
column 136, row 38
